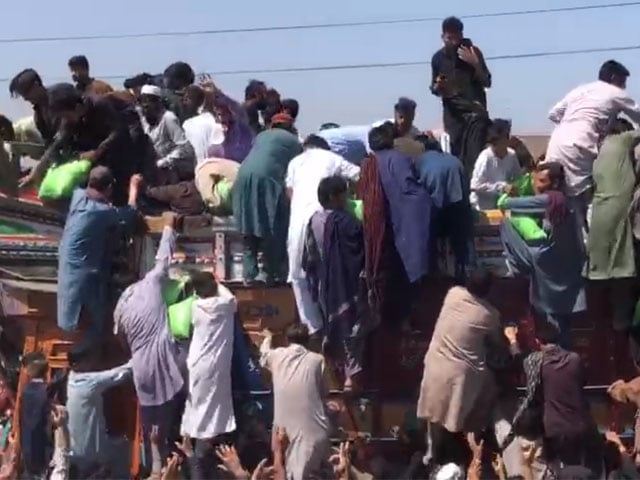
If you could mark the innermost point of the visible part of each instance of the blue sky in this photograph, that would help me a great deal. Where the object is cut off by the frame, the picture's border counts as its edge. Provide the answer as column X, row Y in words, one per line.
column 524, row 89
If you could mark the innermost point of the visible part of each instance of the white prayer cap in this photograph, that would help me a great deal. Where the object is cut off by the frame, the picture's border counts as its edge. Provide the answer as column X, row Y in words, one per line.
column 450, row 471
column 151, row 90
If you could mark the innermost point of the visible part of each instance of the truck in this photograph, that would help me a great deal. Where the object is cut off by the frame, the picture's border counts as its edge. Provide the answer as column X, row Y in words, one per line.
column 381, row 415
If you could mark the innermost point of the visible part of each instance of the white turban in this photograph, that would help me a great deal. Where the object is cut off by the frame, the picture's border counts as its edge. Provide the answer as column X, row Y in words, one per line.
column 151, row 90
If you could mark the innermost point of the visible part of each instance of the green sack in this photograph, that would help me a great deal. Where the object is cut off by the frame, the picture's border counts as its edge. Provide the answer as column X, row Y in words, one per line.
column 61, row 180
column 524, row 185
column 527, row 228
column 173, row 290
column 224, row 189
column 8, row 227
column 180, row 317
column 356, row 208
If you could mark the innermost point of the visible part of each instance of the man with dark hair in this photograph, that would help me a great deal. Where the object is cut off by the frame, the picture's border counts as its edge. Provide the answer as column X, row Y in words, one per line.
column 255, row 102
column 86, row 250
column 442, row 174
column 141, row 320
column 299, row 392
column 291, row 106
column 34, row 415
column 201, row 128
column 406, row 132
column 79, row 66
column 177, row 77
column 582, row 118
column 460, row 76
column 97, row 128
column 175, row 156
column 87, row 382
column 398, row 213
column 496, row 168
column 209, row 410
column 333, row 261
column 459, row 390
column 28, row 85
column 260, row 206
column 304, row 174
column 570, row 433
column 134, row 84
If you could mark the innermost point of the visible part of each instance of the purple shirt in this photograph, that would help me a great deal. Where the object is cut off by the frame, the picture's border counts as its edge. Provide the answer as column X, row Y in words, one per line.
column 141, row 315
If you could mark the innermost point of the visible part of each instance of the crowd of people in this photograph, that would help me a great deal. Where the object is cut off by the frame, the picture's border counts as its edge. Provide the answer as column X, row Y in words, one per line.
column 351, row 217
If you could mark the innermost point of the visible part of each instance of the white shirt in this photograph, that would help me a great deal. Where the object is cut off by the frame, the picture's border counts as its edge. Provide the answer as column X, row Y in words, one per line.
column 491, row 174
column 303, row 176
column 209, row 408
column 582, row 119
column 203, row 131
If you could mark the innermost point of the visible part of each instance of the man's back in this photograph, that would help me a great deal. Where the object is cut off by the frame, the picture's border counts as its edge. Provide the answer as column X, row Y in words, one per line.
column 88, row 229
column 443, row 176
column 305, row 172
column 351, row 142
column 566, row 410
column 298, row 391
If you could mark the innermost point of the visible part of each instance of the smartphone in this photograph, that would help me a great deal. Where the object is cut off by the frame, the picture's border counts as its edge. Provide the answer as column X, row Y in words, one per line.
column 466, row 42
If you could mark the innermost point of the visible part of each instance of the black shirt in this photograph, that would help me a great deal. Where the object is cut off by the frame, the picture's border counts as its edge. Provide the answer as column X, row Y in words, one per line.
column 461, row 76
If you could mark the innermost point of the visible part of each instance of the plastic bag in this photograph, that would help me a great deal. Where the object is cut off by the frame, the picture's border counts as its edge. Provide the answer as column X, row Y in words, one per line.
column 224, row 189
column 527, row 228
column 61, row 180
column 180, row 317
column 524, row 185
column 356, row 208
column 173, row 290
column 8, row 227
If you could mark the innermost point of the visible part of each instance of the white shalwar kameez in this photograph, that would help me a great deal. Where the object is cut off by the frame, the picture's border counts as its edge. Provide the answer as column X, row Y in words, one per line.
column 304, row 174
column 209, row 408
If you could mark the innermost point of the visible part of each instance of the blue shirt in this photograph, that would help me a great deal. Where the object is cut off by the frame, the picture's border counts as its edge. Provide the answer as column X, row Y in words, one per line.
column 85, row 406
column 352, row 143
column 85, row 256
column 443, row 176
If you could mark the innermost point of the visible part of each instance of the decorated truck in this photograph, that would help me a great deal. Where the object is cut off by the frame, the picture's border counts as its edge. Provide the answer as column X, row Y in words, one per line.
column 385, row 411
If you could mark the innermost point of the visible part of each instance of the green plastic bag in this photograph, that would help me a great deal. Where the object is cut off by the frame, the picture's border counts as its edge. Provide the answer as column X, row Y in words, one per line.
column 8, row 227
column 524, row 185
column 224, row 189
column 527, row 228
column 173, row 290
column 180, row 317
column 61, row 180
column 356, row 208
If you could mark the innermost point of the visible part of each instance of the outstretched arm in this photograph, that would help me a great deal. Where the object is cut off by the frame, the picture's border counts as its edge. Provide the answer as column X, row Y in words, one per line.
column 166, row 248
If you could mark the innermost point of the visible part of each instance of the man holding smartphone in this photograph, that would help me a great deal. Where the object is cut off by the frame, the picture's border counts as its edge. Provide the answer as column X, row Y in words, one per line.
column 460, row 76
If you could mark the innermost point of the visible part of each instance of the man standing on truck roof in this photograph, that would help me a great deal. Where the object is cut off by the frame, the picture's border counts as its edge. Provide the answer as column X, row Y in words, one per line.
column 460, row 76
column 582, row 119
column 304, row 174
column 79, row 66
column 28, row 85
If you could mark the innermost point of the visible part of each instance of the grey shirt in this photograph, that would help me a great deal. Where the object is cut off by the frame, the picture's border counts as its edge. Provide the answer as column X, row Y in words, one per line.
column 141, row 316
column 170, row 142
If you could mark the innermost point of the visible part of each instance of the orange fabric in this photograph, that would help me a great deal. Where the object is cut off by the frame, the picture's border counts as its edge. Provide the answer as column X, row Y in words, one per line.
column 98, row 87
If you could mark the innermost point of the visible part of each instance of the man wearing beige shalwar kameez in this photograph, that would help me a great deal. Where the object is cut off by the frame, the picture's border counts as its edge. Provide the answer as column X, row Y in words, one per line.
column 299, row 403
column 458, row 389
